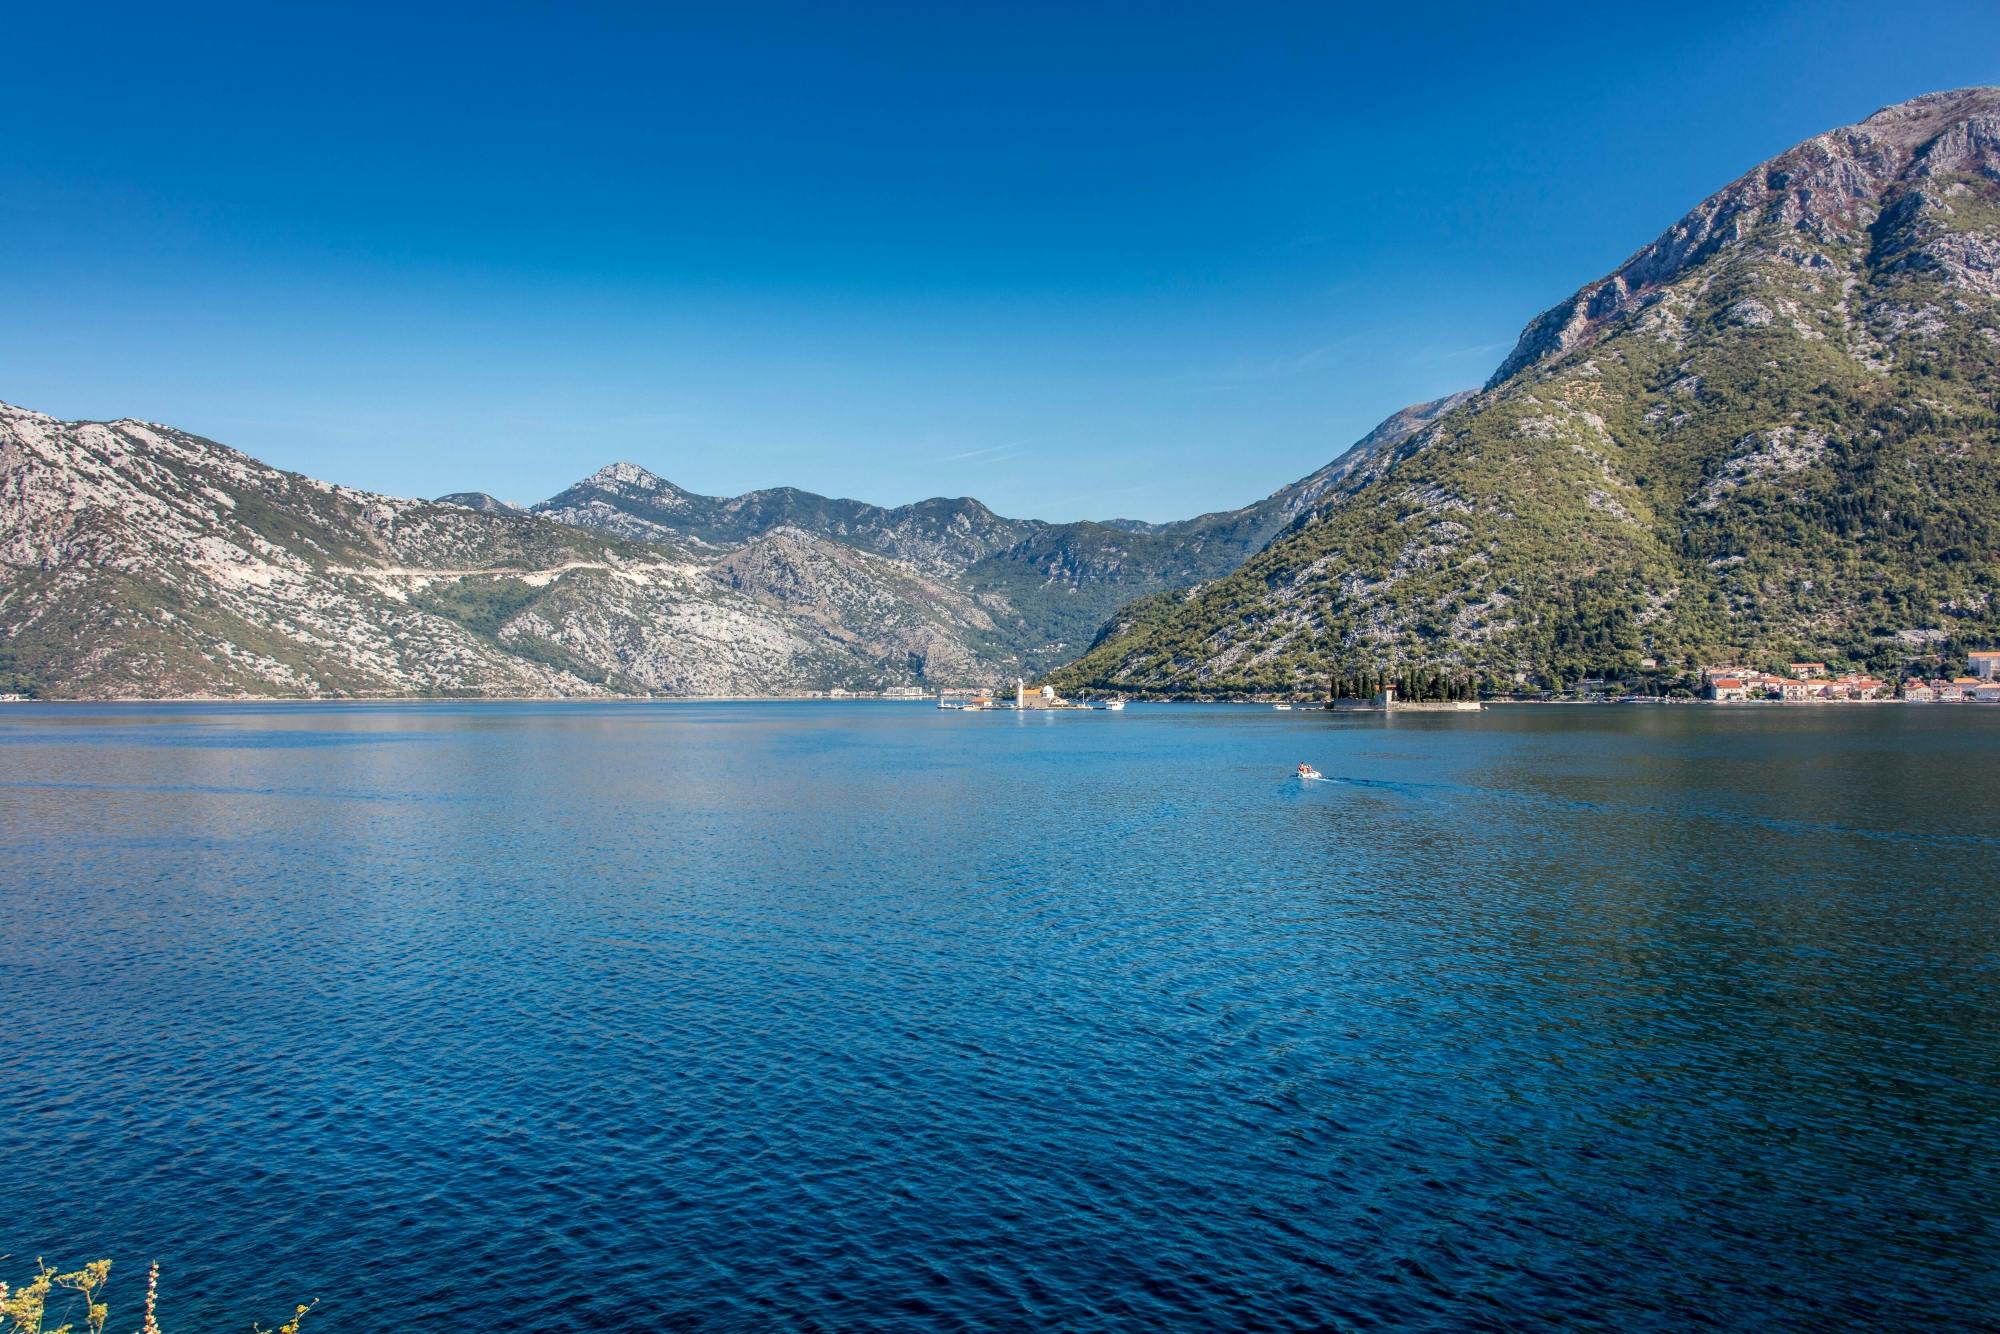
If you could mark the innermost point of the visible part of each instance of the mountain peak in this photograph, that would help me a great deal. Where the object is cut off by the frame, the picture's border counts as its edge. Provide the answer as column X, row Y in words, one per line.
column 13, row 412
column 1921, row 118
column 1824, row 193
column 627, row 474
column 478, row 500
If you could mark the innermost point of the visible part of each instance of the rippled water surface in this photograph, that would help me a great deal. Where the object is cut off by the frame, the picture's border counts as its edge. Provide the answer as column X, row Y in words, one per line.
column 758, row 1016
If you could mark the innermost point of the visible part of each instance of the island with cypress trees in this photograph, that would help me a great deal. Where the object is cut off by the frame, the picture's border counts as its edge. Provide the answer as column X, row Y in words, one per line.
column 1430, row 690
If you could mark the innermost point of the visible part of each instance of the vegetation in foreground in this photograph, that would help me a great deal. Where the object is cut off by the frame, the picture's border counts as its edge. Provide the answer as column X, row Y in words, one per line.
column 77, row 1299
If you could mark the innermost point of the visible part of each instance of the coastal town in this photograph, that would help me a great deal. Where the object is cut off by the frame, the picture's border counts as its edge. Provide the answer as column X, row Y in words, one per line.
column 1813, row 682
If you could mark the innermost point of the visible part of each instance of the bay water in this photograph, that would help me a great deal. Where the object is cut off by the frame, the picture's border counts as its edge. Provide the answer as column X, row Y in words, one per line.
column 828, row 1015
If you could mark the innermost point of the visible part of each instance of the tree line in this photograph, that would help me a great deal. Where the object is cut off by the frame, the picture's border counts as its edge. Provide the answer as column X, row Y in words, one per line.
column 1412, row 684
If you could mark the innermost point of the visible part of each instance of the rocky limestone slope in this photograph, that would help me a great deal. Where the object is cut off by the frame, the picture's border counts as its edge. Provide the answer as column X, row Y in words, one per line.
column 881, row 607
column 140, row 561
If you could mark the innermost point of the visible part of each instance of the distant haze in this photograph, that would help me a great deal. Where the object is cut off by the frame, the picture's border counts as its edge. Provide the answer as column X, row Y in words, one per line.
column 1144, row 263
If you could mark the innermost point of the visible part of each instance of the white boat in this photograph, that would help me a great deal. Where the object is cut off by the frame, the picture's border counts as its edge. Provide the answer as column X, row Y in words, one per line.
column 1115, row 705
column 1282, row 708
column 1310, row 775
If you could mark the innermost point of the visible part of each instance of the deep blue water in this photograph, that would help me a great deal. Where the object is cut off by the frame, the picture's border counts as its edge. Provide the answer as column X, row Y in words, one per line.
column 821, row 1016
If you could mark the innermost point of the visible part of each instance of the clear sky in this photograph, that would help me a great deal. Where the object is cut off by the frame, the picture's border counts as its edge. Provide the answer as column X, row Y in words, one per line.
column 1076, row 260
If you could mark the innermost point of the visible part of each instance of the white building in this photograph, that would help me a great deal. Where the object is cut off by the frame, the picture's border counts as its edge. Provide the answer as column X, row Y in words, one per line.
column 1044, row 698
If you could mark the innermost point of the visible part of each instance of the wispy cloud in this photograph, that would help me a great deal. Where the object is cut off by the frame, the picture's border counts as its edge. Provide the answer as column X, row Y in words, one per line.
column 991, row 454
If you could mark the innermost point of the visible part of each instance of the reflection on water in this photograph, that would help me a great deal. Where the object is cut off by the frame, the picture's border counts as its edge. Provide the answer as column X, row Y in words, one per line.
column 760, row 1015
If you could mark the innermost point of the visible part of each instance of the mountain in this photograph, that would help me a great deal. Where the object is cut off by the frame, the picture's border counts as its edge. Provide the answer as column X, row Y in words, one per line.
column 479, row 500
column 1042, row 590
column 882, row 608
column 937, row 536
column 139, row 561
column 1771, row 433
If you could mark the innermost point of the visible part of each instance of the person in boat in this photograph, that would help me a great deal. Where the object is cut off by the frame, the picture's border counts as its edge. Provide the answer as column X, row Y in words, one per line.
column 1305, row 770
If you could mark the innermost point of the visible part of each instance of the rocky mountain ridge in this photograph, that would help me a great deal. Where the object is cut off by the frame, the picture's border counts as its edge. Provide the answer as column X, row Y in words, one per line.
column 137, row 560
column 1829, row 190
column 1774, row 430
column 141, row 561
column 479, row 500
column 1050, row 586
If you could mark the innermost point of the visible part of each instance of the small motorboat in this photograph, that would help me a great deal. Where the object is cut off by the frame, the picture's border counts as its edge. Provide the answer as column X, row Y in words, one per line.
column 1115, row 705
column 1282, row 708
column 1305, row 773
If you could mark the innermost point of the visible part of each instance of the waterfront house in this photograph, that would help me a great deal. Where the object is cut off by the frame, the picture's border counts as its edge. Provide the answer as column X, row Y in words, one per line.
column 1770, row 685
column 1987, row 692
column 1727, row 687
column 1918, row 692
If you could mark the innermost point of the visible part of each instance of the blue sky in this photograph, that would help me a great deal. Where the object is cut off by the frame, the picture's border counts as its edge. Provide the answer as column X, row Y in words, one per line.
column 1078, row 261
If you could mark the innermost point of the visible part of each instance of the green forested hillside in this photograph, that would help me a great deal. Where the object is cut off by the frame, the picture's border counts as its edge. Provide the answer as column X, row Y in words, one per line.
column 1772, row 433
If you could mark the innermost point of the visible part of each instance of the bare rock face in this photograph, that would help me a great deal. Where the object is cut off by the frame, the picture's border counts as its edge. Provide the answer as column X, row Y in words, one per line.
column 1881, row 189
column 845, row 589
column 139, row 560
column 881, row 606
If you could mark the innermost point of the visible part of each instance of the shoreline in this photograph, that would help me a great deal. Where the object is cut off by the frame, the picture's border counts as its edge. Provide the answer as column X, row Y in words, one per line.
column 1243, row 701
